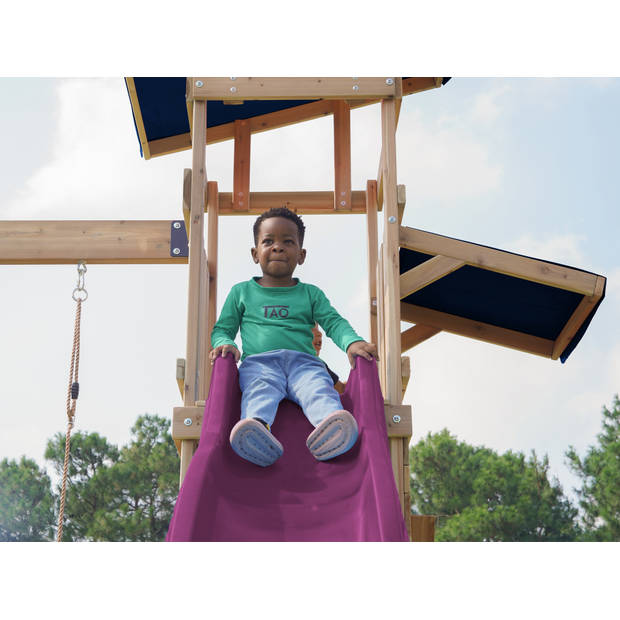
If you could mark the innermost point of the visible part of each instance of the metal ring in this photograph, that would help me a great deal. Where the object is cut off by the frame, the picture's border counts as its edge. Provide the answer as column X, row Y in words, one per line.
column 80, row 290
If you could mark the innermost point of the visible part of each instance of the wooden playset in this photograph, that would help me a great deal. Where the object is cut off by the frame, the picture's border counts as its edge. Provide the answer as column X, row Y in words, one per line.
column 434, row 282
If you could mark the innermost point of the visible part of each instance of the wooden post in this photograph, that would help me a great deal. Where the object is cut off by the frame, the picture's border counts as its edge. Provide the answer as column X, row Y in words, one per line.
column 195, row 329
column 391, row 290
column 342, row 156
column 241, row 172
column 372, row 245
column 212, row 248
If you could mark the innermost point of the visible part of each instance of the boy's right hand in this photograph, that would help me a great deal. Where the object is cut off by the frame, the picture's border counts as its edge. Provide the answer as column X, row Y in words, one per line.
column 223, row 350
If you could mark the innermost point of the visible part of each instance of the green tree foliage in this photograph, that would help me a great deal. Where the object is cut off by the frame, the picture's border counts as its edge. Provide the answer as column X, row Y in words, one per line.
column 600, row 479
column 119, row 495
column 26, row 503
column 487, row 496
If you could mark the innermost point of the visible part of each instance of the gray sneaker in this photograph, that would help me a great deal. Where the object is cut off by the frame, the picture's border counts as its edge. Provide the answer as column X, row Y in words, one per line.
column 252, row 441
column 336, row 434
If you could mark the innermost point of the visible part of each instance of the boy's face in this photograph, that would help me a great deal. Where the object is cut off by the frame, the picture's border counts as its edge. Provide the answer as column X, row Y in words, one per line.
column 278, row 250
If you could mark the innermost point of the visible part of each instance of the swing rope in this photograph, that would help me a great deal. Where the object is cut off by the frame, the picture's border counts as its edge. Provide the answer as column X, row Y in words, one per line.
column 79, row 295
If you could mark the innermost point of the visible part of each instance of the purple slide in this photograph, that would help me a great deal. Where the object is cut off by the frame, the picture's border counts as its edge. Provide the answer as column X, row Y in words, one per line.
column 352, row 497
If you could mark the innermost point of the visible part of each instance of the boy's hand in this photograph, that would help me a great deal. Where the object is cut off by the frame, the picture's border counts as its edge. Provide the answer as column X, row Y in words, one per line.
column 223, row 350
column 362, row 348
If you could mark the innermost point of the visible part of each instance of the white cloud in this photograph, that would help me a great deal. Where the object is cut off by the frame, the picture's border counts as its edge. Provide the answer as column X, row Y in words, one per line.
column 486, row 108
column 558, row 248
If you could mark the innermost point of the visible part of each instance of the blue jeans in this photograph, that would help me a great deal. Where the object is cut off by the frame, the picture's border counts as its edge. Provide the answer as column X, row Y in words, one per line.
column 267, row 378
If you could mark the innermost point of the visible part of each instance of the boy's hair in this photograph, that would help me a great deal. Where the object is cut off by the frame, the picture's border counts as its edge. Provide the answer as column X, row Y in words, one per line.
column 280, row 212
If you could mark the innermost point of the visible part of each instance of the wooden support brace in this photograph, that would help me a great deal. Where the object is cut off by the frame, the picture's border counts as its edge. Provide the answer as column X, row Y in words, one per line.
column 303, row 203
column 181, row 375
column 477, row 330
column 401, row 199
column 212, row 251
column 372, row 237
column 586, row 305
column 499, row 261
column 405, row 364
column 426, row 273
column 415, row 335
column 342, row 156
column 241, row 174
column 187, row 196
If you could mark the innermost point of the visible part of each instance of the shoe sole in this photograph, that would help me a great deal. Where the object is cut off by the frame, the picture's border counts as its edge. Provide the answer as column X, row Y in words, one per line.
column 333, row 436
column 254, row 443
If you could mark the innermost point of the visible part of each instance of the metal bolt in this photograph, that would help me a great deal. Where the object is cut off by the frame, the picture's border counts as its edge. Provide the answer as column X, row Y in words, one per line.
column 176, row 251
column 233, row 79
column 233, row 89
column 342, row 203
column 391, row 219
column 177, row 224
column 356, row 87
column 389, row 81
column 374, row 302
column 396, row 419
column 199, row 84
column 188, row 422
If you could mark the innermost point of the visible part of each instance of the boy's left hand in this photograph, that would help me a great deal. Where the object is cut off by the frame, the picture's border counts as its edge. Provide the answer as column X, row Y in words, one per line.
column 362, row 348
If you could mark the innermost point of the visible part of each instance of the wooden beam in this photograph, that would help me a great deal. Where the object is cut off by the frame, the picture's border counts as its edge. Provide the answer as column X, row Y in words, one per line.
column 476, row 330
column 381, row 170
column 581, row 313
column 303, row 203
column 187, row 195
column 137, row 114
column 390, row 255
column 401, row 199
column 426, row 273
column 241, row 172
column 212, row 251
column 290, row 88
column 423, row 528
column 415, row 335
column 405, row 365
column 173, row 144
column 372, row 241
column 98, row 242
column 196, row 247
column 500, row 261
column 181, row 375
column 342, row 155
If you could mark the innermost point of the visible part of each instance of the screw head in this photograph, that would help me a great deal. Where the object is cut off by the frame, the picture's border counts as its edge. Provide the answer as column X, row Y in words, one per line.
column 356, row 87
column 389, row 81
column 176, row 251
column 396, row 419
column 342, row 203
column 233, row 89
column 233, row 78
column 177, row 224
column 391, row 219
column 188, row 422
column 199, row 83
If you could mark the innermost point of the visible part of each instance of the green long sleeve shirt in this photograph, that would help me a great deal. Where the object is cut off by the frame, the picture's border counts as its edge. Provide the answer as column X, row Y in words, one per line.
column 278, row 317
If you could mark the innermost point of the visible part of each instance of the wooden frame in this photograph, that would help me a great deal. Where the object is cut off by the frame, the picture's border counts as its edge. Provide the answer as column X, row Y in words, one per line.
column 241, row 168
column 98, row 242
column 291, row 88
column 342, row 156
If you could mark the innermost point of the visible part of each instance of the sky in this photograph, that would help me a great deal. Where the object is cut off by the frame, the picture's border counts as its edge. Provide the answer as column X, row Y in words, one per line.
column 525, row 165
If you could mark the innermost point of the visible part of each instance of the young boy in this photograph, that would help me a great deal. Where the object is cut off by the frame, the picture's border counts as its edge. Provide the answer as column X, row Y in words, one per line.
column 275, row 314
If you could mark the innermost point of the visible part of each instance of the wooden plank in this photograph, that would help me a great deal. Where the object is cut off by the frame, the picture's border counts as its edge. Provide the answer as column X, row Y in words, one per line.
column 390, row 256
column 212, row 251
column 581, row 313
column 173, row 144
column 181, row 374
column 396, row 454
column 398, row 420
column 413, row 336
column 499, row 261
column 303, row 203
column 422, row 528
column 241, row 173
column 187, row 195
column 401, row 199
column 196, row 246
column 477, row 330
column 406, row 486
column 426, row 273
column 290, row 88
column 342, row 155
column 137, row 115
column 405, row 366
column 372, row 241
column 187, row 452
column 419, row 84
column 381, row 321
column 57, row 242
column 382, row 164
column 204, row 364
column 182, row 431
